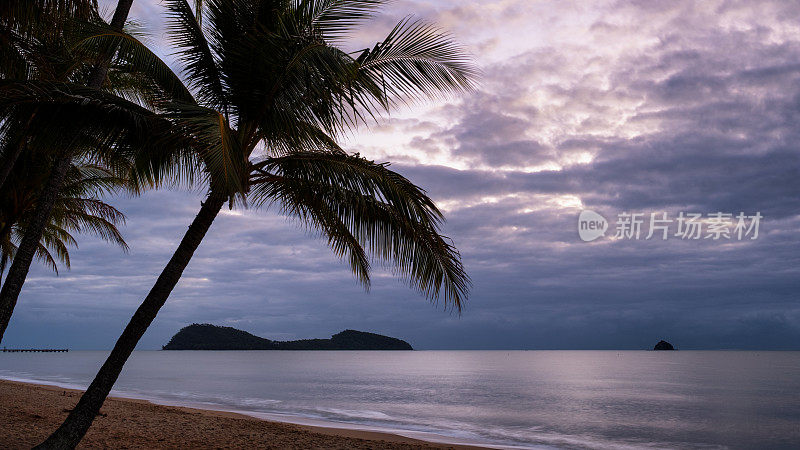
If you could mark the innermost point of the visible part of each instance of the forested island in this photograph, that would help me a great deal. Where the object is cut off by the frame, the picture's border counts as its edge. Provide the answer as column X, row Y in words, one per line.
column 213, row 337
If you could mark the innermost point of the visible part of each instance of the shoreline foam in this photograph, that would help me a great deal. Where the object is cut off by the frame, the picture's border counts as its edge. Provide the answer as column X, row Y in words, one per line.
column 386, row 437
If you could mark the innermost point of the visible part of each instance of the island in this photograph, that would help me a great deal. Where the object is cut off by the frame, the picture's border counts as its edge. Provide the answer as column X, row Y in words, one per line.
column 212, row 337
column 663, row 345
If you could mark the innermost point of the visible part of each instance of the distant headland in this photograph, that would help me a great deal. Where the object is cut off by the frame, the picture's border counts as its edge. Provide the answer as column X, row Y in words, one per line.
column 212, row 337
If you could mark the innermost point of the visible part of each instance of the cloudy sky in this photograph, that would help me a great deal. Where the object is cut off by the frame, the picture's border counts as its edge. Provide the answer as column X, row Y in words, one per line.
column 613, row 106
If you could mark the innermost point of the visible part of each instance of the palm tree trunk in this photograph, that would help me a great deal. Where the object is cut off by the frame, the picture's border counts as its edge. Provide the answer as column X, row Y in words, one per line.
column 70, row 433
column 12, row 156
column 10, row 160
column 30, row 241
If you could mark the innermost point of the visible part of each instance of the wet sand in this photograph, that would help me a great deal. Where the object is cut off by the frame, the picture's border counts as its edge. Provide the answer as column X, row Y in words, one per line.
column 30, row 412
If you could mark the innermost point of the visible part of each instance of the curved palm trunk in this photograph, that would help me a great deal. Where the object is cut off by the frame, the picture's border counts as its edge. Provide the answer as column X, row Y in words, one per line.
column 80, row 418
column 13, row 156
column 30, row 241
column 27, row 247
column 8, row 164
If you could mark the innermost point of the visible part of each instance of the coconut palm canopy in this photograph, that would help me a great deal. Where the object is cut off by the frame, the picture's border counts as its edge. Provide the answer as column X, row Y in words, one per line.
column 268, row 89
column 79, row 209
column 40, row 57
column 51, row 122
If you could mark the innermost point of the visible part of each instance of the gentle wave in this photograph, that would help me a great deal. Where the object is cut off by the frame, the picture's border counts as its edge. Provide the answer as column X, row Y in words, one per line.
column 329, row 420
column 190, row 400
column 549, row 399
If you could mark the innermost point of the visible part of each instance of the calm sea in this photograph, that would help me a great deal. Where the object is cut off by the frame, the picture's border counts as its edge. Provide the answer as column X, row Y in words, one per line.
column 558, row 399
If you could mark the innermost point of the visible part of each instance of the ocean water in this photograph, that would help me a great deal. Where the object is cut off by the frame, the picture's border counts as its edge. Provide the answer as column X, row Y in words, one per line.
column 527, row 399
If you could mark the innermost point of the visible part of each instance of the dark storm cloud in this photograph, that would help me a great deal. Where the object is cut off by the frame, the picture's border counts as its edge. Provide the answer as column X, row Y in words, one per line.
column 618, row 106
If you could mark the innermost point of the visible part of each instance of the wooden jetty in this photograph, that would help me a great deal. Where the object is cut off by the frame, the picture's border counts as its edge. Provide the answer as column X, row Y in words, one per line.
column 35, row 350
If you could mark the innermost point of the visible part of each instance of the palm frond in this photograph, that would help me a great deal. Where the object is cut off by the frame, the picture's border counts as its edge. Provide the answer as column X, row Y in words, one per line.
column 199, row 63
column 44, row 256
column 334, row 19
column 77, row 209
column 13, row 61
column 296, row 200
column 216, row 144
column 27, row 14
column 417, row 61
column 132, row 58
column 92, row 222
column 381, row 211
column 198, row 12
column 113, row 130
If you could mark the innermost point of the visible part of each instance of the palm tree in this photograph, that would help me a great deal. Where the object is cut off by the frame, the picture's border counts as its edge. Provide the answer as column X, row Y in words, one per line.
column 273, row 89
column 108, row 133
column 26, row 12
column 33, row 47
column 46, row 63
column 33, row 51
column 78, row 209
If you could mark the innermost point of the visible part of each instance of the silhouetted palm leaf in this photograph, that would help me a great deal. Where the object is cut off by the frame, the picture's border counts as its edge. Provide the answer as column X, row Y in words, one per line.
column 77, row 210
column 200, row 67
column 359, row 204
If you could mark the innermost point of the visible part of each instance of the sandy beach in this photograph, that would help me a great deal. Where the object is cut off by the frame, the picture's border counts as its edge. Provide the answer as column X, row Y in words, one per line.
column 30, row 412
